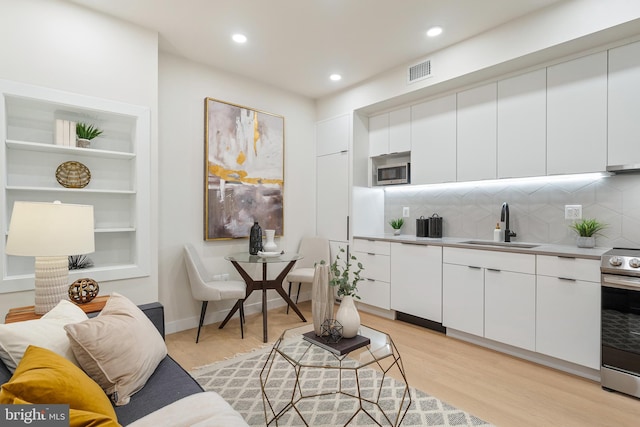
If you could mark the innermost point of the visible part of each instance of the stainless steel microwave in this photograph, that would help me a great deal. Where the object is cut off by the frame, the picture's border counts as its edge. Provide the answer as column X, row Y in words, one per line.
column 399, row 173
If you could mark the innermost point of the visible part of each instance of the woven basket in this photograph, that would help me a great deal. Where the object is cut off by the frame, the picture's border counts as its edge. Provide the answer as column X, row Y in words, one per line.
column 73, row 175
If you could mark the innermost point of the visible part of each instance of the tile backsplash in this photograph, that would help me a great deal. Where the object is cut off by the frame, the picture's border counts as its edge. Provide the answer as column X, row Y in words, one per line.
column 536, row 208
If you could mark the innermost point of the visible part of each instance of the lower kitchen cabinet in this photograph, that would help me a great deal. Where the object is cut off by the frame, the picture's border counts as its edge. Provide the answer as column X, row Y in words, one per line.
column 416, row 280
column 463, row 298
column 568, row 320
column 510, row 308
column 374, row 290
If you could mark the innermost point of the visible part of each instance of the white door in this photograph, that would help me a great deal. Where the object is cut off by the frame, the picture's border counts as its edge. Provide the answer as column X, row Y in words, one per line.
column 463, row 298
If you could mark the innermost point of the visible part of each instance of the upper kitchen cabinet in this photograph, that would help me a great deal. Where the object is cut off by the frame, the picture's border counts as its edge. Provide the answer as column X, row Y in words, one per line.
column 390, row 132
column 118, row 175
column 332, row 135
column 624, row 104
column 577, row 115
column 433, row 141
column 522, row 121
column 476, row 129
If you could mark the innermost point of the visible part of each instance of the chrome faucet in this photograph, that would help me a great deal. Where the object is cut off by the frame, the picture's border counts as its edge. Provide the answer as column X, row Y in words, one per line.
column 504, row 217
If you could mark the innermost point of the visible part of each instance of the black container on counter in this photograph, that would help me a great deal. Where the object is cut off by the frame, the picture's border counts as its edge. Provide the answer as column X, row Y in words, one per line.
column 422, row 227
column 435, row 226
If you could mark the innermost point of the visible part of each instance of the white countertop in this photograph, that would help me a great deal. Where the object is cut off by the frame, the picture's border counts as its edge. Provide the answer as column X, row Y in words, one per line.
column 459, row 242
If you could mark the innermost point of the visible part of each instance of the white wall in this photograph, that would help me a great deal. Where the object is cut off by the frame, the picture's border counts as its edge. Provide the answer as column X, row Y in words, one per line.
column 61, row 46
column 554, row 32
column 183, row 87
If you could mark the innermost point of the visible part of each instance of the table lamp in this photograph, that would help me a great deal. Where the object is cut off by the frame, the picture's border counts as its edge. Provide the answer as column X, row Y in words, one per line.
column 50, row 232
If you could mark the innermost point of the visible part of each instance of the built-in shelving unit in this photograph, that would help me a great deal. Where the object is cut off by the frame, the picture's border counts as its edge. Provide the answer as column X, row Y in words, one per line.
column 119, row 162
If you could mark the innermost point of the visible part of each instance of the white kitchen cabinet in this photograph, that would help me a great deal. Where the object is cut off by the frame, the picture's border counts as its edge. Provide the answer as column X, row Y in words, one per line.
column 332, row 135
column 119, row 183
column 374, row 255
column 416, row 280
column 390, row 132
column 490, row 294
column 568, row 309
column 379, row 135
column 463, row 298
column 510, row 308
column 332, row 197
column 577, row 115
column 476, row 130
column 623, row 105
column 433, row 141
column 522, row 125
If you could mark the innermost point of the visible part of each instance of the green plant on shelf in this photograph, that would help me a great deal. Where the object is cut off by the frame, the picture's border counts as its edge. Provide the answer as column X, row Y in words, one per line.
column 87, row 131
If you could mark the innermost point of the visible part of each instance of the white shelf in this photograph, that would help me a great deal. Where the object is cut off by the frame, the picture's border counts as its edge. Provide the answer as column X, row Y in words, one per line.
column 84, row 152
column 119, row 191
column 67, row 190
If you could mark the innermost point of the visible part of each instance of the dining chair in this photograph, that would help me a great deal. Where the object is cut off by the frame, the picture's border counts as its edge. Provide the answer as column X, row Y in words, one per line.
column 314, row 250
column 204, row 288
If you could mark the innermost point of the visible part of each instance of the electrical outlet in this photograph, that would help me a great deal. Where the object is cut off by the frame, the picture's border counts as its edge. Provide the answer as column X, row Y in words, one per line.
column 573, row 212
column 405, row 212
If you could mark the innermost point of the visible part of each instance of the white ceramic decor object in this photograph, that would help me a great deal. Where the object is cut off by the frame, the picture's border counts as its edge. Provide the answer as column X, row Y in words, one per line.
column 348, row 317
column 270, row 246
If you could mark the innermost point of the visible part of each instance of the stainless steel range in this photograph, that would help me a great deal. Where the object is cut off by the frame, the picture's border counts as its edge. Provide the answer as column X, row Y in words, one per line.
column 620, row 276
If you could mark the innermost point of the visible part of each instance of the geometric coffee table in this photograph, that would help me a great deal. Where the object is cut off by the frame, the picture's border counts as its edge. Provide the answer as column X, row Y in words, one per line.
column 318, row 387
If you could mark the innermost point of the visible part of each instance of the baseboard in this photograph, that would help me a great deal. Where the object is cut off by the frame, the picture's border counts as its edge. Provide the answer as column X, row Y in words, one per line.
column 541, row 359
column 219, row 315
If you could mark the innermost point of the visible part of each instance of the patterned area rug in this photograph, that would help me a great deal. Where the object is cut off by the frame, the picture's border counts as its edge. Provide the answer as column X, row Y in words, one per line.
column 238, row 381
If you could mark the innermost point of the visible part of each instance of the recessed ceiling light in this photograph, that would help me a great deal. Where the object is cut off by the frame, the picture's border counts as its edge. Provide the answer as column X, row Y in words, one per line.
column 335, row 77
column 434, row 31
column 239, row 38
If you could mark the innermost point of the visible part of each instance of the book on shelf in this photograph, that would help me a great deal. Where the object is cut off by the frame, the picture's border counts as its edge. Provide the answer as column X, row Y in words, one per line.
column 344, row 346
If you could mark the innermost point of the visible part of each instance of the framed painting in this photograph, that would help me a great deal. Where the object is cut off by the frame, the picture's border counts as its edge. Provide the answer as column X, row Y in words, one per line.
column 244, row 170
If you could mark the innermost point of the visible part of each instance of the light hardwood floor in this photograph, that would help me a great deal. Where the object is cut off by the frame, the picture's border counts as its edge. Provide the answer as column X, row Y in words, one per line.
column 498, row 388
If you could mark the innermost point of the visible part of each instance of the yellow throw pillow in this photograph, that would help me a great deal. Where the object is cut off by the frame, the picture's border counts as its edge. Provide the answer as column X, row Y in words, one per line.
column 46, row 377
column 119, row 349
column 80, row 418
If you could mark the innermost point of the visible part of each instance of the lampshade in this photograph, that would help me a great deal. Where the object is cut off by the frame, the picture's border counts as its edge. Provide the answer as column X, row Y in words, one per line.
column 50, row 229
column 50, row 232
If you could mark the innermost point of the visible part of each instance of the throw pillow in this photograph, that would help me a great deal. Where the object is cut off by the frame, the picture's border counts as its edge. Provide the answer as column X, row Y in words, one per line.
column 47, row 332
column 46, row 377
column 119, row 349
column 80, row 418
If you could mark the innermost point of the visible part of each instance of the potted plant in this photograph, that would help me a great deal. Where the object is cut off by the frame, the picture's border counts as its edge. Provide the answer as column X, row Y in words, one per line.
column 396, row 224
column 85, row 133
column 587, row 229
column 346, row 282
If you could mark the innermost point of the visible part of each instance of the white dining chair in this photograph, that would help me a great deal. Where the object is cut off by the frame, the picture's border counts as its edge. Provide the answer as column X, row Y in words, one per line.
column 314, row 250
column 204, row 288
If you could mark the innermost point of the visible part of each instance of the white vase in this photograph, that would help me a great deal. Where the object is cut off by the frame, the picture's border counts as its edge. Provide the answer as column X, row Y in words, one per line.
column 348, row 317
column 586, row 242
column 396, row 231
column 270, row 246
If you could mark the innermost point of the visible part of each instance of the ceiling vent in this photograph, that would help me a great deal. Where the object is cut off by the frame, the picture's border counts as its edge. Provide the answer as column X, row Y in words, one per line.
column 419, row 71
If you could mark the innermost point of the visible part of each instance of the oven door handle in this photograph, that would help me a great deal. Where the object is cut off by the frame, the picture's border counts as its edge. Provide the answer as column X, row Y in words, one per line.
column 621, row 282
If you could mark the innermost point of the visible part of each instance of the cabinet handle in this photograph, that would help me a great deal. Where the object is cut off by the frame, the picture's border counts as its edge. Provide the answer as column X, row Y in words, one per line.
column 474, row 267
column 371, row 253
column 567, row 279
column 494, row 269
column 371, row 280
column 566, row 257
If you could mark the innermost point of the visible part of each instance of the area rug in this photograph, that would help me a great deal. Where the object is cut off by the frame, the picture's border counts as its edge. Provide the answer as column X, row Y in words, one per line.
column 237, row 380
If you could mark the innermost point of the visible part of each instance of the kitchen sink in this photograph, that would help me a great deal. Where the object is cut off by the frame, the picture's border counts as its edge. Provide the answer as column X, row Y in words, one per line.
column 501, row 244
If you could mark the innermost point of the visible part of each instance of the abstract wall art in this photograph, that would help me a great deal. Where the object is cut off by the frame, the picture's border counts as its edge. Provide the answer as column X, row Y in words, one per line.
column 244, row 170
